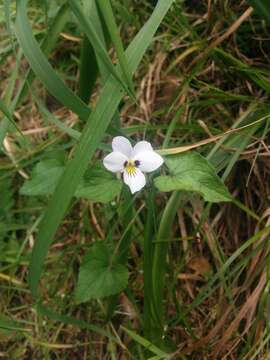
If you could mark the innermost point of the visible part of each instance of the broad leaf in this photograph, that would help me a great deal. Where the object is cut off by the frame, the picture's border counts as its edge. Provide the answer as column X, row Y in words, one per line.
column 192, row 172
column 99, row 185
column 44, row 178
column 99, row 275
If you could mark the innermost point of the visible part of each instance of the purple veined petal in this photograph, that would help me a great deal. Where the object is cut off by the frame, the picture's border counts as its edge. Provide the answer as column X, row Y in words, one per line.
column 135, row 181
column 149, row 161
column 115, row 161
column 122, row 145
column 142, row 146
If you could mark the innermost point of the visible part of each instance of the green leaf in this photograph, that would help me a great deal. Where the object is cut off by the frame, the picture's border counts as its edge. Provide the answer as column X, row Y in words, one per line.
column 99, row 276
column 192, row 172
column 44, row 178
column 99, row 185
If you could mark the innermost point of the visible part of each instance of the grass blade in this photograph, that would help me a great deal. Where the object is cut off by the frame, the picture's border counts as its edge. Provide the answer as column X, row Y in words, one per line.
column 88, row 70
column 107, row 13
column 41, row 66
column 148, row 249
column 100, row 51
column 91, row 136
column 8, row 115
column 159, row 262
column 146, row 344
column 48, row 44
column 88, row 62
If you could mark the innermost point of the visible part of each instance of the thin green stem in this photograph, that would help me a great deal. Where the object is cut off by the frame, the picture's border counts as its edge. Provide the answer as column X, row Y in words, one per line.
column 159, row 261
column 148, row 265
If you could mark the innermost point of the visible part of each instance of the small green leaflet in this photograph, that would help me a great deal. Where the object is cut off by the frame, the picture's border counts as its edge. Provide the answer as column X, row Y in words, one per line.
column 192, row 172
column 99, row 275
column 97, row 184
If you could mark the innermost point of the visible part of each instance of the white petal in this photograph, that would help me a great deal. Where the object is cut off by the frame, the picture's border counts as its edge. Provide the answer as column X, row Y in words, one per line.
column 136, row 181
column 149, row 161
column 115, row 161
column 122, row 145
column 142, row 146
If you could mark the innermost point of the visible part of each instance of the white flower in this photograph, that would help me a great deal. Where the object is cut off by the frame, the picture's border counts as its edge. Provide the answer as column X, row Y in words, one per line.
column 132, row 161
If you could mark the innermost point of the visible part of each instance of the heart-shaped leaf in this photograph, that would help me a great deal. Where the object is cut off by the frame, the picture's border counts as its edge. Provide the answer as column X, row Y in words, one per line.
column 44, row 178
column 97, row 184
column 100, row 275
column 192, row 172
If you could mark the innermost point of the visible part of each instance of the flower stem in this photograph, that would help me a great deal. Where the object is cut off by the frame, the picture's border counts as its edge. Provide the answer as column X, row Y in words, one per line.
column 159, row 261
column 149, row 235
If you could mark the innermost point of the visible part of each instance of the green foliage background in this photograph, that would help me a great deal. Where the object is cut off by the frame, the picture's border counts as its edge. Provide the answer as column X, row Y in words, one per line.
column 180, row 270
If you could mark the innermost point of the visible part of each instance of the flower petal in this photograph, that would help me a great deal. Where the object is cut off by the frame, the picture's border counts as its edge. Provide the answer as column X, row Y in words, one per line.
column 142, row 146
column 149, row 161
column 114, row 161
column 136, row 181
column 122, row 145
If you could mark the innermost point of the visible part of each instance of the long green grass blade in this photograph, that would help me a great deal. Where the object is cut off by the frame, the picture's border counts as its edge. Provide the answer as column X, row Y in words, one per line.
column 8, row 115
column 75, row 134
column 41, row 66
column 88, row 70
column 91, row 7
column 44, row 310
column 48, row 44
column 159, row 262
column 92, row 134
column 94, row 39
column 107, row 13
column 148, row 249
column 91, row 64
column 146, row 344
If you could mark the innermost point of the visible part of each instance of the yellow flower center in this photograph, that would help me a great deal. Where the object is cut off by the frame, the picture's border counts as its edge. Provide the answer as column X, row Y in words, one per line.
column 130, row 167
